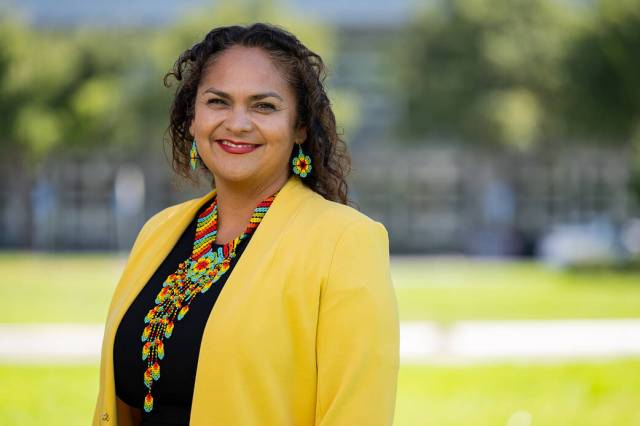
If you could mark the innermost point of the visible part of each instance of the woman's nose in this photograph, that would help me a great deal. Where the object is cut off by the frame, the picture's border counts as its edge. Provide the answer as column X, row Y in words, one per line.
column 238, row 120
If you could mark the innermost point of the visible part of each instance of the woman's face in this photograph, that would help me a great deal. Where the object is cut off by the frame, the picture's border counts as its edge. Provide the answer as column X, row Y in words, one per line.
column 243, row 99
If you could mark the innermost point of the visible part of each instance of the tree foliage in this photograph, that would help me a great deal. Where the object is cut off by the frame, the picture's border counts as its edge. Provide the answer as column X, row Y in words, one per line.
column 523, row 72
column 603, row 74
column 84, row 89
column 63, row 89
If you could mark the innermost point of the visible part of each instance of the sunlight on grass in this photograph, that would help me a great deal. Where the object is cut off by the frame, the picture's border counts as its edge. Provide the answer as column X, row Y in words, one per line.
column 575, row 394
column 447, row 290
column 47, row 395
column 78, row 288
column 57, row 287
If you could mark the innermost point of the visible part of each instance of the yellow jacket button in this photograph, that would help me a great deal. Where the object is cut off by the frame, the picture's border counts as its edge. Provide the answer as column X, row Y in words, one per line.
column 105, row 417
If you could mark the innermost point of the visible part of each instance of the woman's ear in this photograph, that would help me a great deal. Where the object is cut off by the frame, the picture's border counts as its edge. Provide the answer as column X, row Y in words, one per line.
column 301, row 135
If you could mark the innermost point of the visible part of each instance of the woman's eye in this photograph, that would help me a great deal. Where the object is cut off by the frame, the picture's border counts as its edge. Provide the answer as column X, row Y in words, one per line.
column 215, row 101
column 265, row 106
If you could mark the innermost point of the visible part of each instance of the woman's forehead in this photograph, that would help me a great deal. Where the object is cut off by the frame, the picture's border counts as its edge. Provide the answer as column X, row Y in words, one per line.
column 243, row 69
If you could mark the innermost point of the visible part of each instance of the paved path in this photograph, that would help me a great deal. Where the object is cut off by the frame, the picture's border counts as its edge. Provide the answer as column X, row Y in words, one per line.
column 480, row 341
column 56, row 343
column 420, row 342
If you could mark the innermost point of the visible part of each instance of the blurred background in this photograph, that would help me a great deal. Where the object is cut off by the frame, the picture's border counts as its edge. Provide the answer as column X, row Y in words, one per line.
column 498, row 141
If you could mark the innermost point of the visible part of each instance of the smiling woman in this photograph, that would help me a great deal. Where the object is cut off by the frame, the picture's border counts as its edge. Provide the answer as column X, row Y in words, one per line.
column 274, row 81
column 244, row 119
column 267, row 301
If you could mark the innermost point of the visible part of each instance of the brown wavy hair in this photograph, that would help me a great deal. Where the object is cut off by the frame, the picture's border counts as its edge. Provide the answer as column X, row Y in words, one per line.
column 303, row 69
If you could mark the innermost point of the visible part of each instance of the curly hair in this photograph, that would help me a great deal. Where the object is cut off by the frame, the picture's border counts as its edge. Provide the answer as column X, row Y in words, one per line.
column 303, row 69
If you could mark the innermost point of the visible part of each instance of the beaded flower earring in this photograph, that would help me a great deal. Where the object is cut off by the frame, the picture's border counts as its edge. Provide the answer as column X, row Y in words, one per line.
column 193, row 155
column 301, row 163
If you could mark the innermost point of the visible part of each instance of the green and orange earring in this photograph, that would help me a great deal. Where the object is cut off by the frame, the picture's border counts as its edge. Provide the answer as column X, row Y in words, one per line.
column 193, row 155
column 301, row 163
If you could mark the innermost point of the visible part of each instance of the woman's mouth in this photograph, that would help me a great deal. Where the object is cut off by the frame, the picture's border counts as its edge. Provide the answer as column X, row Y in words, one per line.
column 236, row 147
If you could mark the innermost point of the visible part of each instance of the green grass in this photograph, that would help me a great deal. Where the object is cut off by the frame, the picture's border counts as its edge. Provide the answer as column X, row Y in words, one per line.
column 47, row 395
column 449, row 290
column 58, row 287
column 78, row 288
column 585, row 394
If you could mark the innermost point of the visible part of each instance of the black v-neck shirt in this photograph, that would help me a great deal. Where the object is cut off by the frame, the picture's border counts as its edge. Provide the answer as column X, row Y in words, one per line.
column 173, row 391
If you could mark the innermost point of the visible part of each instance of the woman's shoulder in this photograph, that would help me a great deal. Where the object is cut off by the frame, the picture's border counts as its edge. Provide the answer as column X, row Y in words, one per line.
column 328, row 230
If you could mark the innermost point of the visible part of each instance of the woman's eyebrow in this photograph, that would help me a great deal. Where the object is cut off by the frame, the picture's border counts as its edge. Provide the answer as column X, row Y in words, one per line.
column 255, row 97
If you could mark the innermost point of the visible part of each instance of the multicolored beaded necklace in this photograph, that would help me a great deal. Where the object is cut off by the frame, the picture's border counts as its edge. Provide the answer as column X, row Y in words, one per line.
column 194, row 276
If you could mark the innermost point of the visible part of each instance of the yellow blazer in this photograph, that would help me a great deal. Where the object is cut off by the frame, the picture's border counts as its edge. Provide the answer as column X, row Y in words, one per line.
column 305, row 331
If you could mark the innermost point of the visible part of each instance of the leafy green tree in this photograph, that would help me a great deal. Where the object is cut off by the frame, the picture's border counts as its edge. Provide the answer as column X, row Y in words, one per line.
column 62, row 91
column 603, row 80
column 603, row 74
column 487, row 71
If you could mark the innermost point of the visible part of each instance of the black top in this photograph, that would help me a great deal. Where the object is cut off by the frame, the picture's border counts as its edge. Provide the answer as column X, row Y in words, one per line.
column 173, row 392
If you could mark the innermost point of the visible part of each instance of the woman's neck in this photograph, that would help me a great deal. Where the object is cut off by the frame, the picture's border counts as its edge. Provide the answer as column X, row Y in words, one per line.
column 236, row 204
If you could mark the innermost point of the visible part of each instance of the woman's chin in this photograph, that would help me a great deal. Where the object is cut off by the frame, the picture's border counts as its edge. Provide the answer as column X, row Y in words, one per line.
column 236, row 176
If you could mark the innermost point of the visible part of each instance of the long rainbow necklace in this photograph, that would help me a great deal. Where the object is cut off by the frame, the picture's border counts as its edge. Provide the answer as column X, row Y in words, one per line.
column 194, row 276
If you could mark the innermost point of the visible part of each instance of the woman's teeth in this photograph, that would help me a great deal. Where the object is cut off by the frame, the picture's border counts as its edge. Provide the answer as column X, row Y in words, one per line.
column 237, row 145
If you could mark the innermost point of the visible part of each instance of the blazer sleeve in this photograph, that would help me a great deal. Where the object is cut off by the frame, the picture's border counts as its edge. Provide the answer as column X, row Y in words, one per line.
column 358, row 332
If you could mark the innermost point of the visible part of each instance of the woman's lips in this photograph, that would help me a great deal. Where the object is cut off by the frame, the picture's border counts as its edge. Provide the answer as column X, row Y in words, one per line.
column 236, row 148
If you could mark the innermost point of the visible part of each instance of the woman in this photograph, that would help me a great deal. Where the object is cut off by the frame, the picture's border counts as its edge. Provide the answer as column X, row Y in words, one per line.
column 306, row 329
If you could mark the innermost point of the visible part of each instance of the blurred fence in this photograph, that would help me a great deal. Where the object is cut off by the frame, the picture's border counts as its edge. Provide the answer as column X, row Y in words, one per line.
column 430, row 199
column 93, row 203
column 484, row 202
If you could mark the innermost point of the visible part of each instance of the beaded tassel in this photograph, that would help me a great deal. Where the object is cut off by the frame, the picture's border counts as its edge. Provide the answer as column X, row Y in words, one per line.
column 148, row 402
column 194, row 276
